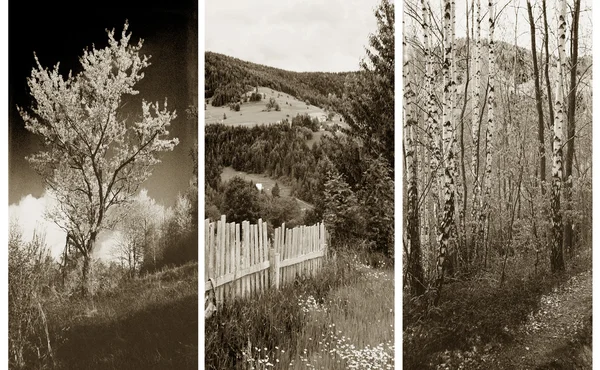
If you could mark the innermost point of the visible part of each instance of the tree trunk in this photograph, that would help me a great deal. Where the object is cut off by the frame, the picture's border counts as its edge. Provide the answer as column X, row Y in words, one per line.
column 449, row 171
column 464, row 197
column 538, row 99
column 485, row 209
column 547, row 68
column 415, row 266
column 475, row 130
column 556, row 258
column 86, row 273
column 570, row 145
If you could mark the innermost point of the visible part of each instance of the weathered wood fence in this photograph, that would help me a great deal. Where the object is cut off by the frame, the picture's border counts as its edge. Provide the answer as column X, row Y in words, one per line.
column 241, row 260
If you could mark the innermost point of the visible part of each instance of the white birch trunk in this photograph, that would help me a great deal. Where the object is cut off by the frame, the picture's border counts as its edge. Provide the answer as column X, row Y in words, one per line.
column 556, row 258
column 447, row 135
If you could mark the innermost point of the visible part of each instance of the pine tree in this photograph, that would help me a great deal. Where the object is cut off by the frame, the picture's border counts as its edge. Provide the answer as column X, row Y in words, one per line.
column 275, row 191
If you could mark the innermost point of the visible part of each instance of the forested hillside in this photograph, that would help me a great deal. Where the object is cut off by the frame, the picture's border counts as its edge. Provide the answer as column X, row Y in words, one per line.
column 347, row 175
column 227, row 78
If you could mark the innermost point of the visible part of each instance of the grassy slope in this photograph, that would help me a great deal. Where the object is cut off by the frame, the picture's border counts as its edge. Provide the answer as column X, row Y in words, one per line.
column 145, row 323
column 254, row 113
column 231, row 74
column 267, row 182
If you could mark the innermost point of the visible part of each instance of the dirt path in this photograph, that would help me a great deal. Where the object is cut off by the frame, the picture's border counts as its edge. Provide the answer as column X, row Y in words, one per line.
column 547, row 340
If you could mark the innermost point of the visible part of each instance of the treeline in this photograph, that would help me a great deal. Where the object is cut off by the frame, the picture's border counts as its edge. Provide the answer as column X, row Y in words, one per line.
column 228, row 78
column 349, row 189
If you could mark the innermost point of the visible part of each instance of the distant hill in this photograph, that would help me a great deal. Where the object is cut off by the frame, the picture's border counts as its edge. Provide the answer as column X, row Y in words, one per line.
column 227, row 78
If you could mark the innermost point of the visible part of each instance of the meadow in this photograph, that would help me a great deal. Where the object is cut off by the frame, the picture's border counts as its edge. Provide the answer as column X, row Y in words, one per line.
column 254, row 113
column 267, row 182
column 341, row 319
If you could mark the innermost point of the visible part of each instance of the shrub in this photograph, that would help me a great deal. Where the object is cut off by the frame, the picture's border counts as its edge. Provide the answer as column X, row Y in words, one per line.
column 272, row 104
column 255, row 97
column 29, row 272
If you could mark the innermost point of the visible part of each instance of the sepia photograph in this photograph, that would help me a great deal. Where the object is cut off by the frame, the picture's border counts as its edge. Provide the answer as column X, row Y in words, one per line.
column 497, row 190
column 299, row 184
column 103, row 185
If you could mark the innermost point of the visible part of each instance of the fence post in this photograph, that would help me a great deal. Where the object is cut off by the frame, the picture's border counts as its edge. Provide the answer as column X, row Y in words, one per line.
column 273, row 268
column 323, row 240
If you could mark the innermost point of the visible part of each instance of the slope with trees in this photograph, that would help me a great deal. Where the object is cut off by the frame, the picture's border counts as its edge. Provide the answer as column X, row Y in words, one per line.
column 228, row 78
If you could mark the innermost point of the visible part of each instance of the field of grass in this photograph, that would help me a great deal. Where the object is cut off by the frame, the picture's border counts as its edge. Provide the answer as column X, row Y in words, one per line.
column 341, row 319
column 267, row 183
column 252, row 113
column 145, row 323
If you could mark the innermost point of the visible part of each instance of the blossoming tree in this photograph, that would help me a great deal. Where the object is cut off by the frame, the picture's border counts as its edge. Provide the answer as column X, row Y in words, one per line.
column 94, row 158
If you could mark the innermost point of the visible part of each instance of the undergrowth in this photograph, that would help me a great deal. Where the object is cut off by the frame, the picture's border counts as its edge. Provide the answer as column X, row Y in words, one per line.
column 327, row 321
column 148, row 322
column 474, row 313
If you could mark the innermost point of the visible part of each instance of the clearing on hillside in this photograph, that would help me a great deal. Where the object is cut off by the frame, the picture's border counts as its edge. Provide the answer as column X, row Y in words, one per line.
column 267, row 184
column 255, row 113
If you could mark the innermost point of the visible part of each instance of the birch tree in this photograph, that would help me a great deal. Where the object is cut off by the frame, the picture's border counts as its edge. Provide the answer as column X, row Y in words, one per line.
column 489, row 130
column 570, row 143
column 432, row 119
column 538, row 98
column 415, row 265
column 94, row 158
column 556, row 259
column 447, row 136
column 475, row 130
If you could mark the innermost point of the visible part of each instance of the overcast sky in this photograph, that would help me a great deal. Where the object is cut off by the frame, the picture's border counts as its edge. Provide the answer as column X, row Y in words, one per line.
column 511, row 13
column 296, row 35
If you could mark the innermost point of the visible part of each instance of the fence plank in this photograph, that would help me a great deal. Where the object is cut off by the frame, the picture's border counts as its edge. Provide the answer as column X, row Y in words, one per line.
column 294, row 261
column 211, row 251
column 256, row 259
column 245, row 238
column 265, row 236
column 260, row 256
column 248, row 271
column 232, row 258
column 238, row 261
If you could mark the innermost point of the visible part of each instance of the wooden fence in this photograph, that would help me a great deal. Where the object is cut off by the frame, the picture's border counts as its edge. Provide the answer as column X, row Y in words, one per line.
column 241, row 260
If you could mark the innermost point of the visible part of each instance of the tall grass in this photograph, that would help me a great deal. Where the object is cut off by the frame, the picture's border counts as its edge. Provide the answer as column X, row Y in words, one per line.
column 341, row 319
column 28, row 275
column 143, row 323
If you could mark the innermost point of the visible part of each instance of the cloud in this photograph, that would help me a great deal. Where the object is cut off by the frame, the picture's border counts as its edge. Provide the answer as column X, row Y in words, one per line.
column 298, row 35
column 29, row 215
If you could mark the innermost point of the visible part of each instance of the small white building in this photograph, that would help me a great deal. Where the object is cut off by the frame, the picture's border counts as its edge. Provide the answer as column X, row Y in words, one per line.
column 259, row 187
